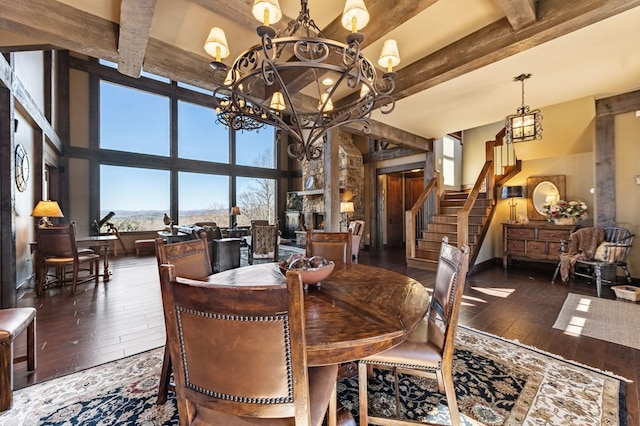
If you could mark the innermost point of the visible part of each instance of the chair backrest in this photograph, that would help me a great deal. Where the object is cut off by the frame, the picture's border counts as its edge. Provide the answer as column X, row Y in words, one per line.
column 190, row 258
column 451, row 275
column 259, row 222
column 58, row 241
column 623, row 238
column 264, row 240
column 233, row 357
column 356, row 227
column 335, row 246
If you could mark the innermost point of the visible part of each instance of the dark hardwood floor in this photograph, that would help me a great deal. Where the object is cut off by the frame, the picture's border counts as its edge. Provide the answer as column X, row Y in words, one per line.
column 124, row 316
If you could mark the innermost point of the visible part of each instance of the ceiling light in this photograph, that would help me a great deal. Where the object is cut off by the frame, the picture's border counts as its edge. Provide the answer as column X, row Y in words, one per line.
column 525, row 125
column 263, row 86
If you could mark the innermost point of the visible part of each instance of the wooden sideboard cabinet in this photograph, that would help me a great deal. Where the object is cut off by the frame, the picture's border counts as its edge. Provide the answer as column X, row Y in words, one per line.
column 537, row 241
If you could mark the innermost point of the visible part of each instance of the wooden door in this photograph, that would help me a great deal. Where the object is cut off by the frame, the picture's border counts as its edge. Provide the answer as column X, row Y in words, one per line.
column 395, row 210
column 413, row 186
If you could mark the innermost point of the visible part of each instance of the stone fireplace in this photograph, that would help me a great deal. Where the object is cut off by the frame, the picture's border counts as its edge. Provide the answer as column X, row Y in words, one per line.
column 318, row 220
column 351, row 183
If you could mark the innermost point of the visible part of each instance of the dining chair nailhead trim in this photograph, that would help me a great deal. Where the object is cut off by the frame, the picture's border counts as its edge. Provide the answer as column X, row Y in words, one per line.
column 282, row 318
column 408, row 366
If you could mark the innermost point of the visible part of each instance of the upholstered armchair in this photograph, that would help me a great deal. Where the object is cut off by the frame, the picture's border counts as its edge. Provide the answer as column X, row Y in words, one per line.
column 356, row 227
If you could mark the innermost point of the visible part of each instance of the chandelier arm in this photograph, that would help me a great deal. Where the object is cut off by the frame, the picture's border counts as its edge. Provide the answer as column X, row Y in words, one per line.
column 243, row 97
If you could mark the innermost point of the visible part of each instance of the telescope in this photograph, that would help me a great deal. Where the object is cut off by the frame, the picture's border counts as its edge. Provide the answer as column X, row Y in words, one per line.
column 105, row 220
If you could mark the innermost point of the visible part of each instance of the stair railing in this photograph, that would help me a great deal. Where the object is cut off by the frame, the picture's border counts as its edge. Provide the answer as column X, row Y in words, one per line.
column 420, row 214
column 484, row 185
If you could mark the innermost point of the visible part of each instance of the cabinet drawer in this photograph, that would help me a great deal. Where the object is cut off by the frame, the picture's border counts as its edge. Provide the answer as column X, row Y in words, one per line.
column 520, row 232
column 515, row 246
column 553, row 234
column 536, row 247
column 554, row 250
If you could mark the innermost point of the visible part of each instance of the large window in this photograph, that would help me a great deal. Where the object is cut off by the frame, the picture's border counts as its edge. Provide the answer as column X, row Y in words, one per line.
column 203, row 198
column 199, row 136
column 194, row 159
column 256, row 148
column 256, row 199
column 138, row 197
column 132, row 120
column 449, row 161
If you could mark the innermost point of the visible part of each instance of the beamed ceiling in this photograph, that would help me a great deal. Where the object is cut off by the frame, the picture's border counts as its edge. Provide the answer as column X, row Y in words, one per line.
column 459, row 57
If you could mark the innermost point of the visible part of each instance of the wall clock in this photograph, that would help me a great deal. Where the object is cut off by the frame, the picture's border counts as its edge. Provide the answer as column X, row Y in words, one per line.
column 22, row 168
column 308, row 184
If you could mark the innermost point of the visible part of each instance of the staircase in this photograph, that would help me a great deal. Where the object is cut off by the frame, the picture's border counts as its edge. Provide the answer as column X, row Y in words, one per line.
column 462, row 216
column 445, row 223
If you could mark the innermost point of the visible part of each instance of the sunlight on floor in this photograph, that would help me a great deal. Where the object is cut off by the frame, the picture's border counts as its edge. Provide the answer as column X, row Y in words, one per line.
column 496, row 292
column 576, row 324
column 583, row 305
column 574, row 328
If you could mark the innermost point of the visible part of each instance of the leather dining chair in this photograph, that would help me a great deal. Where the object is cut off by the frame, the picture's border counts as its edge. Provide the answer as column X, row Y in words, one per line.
column 191, row 260
column 429, row 348
column 241, row 356
column 335, row 246
column 56, row 247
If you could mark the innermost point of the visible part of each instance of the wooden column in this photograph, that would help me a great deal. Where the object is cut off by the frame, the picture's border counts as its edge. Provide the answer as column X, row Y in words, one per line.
column 371, row 188
column 332, row 182
column 7, row 190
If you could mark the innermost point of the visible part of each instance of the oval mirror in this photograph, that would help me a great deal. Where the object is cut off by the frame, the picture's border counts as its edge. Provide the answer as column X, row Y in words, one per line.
column 546, row 192
column 541, row 187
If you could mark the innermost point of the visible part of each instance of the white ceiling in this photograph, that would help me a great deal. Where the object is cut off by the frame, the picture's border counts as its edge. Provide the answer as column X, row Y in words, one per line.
column 597, row 61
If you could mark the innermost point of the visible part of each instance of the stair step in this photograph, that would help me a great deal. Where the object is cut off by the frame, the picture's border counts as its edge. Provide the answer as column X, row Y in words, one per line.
column 429, row 245
column 453, row 218
column 437, row 237
column 424, row 264
column 441, row 227
column 427, row 254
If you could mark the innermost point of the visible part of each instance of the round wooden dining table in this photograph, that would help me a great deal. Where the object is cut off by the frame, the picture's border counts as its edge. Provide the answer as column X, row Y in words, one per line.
column 359, row 310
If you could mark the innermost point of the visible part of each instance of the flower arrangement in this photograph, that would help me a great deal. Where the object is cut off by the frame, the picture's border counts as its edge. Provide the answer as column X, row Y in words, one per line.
column 565, row 209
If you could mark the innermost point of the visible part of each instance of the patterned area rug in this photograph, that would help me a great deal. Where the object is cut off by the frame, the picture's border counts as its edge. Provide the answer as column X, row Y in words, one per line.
column 497, row 383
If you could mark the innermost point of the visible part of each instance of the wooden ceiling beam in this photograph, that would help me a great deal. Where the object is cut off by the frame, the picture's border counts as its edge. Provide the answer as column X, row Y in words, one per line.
column 498, row 41
column 238, row 12
column 384, row 19
column 384, row 132
column 135, row 23
column 61, row 25
column 520, row 13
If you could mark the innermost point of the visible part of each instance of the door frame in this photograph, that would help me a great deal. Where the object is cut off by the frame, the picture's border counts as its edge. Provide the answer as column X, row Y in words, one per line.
column 377, row 222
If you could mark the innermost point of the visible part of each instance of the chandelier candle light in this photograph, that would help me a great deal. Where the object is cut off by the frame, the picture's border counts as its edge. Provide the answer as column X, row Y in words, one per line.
column 265, row 83
column 525, row 125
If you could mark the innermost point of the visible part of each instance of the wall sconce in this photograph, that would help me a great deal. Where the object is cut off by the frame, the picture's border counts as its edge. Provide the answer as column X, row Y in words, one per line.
column 511, row 193
column 46, row 209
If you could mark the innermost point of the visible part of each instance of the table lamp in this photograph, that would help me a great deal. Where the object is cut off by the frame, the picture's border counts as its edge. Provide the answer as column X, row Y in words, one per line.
column 346, row 207
column 511, row 193
column 235, row 211
column 46, row 209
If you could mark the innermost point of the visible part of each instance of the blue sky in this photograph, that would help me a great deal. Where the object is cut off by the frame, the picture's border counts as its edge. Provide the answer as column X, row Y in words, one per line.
column 137, row 121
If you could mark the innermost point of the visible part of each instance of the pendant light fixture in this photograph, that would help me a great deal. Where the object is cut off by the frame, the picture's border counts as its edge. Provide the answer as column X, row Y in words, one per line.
column 525, row 125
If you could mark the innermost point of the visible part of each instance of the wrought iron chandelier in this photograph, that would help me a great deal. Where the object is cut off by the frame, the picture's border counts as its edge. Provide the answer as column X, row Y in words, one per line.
column 525, row 125
column 267, row 84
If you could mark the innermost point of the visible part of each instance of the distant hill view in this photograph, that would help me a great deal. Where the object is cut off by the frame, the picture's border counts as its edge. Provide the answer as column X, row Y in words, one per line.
column 152, row 220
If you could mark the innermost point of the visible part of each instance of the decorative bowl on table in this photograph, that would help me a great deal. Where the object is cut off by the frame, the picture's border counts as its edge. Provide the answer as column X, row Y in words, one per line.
column 314, row 269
